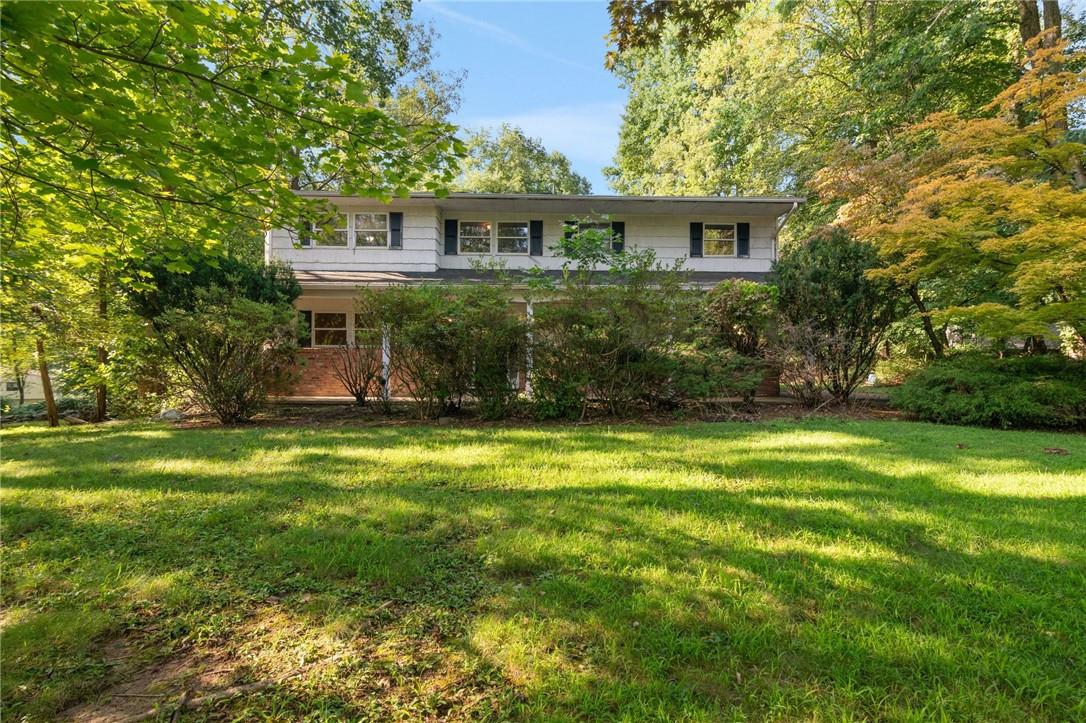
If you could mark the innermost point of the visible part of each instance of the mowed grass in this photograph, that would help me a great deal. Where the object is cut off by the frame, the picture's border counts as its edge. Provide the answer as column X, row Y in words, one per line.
column 817, row 570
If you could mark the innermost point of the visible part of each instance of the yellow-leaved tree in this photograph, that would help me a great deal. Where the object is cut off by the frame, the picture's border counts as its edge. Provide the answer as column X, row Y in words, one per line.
column 983, row 219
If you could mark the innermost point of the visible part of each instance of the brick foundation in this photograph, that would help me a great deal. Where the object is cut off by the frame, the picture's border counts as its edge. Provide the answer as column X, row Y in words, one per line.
column 316, row 378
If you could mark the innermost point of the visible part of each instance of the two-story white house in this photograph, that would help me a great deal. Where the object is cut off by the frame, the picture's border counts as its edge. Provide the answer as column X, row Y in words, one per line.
column 425, row 239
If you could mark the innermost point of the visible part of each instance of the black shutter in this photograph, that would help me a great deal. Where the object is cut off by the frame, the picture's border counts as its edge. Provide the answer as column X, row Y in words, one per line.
column 305, row 335
column 695, row 239
column 535, row 238
column 452, row 228
column 305, row 236
column 618, row 228
column 395, row 230
column 742, row 235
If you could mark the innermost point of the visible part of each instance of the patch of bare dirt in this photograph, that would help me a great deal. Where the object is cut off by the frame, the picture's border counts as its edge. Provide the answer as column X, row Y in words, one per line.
column 142, row 689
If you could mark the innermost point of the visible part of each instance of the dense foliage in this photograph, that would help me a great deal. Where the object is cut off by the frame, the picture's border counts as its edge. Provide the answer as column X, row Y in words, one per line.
column 1046, row 390
column 627, row 340
column 448, row 343
column 982, row 218
column 229, row 326
column 509, row 161
column 753, row 98
column 836, row 313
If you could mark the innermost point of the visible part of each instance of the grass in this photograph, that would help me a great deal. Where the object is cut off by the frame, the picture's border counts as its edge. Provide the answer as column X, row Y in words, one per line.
column 819, row 570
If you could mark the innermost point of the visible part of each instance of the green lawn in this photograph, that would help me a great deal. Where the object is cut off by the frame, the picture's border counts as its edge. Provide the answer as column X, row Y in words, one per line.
column 821, row 570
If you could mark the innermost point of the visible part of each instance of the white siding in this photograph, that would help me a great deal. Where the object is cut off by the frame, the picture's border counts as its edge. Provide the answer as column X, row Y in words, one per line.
column 668, row 235
column 423, row 242
column 419, row 252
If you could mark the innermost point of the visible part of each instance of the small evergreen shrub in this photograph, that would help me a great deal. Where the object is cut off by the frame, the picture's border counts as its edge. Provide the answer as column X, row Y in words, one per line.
column 1047, row 391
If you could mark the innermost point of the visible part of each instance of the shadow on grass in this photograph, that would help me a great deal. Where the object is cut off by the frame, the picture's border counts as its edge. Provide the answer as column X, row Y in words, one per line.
column 795, row 570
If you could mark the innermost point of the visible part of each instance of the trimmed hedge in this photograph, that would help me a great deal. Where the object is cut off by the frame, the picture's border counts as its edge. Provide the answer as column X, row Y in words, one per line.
column 1047, row 391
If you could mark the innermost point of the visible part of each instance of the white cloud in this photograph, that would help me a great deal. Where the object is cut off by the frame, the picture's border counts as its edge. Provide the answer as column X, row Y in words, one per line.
column 586, row 132
column 503, row 35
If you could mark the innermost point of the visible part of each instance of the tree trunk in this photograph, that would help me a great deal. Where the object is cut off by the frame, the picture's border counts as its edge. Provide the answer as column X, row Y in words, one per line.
column 103, row 356
column 1029, row 20
column 1053, row 21
column 46, row 385
column 937, row 345
column 20, row 382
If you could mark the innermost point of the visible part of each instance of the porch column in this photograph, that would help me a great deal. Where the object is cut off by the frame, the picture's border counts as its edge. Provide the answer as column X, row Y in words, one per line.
column 528, row 352
column 386, row 363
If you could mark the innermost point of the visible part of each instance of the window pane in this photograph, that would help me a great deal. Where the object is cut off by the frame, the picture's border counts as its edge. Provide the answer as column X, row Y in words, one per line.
column 719, row 247
column 475, row 245
column 371, row 238
column 514, row 230
column 370, row 221
column 341, row 222
column 325, row 320
column 512, row 245
column 330, row 337
column 475, row 228
column 719, row 232
column 719, row 239
column 336, row 238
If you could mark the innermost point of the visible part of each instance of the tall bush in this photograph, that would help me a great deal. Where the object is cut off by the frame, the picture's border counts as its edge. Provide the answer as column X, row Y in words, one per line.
column 839, row 313
column 624, row 337
column 449, row 343
column 743, row 316
column 229, row 326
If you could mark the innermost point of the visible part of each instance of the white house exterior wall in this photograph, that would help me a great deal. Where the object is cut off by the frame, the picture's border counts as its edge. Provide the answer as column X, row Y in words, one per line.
column 423, row 242
column 421, row 236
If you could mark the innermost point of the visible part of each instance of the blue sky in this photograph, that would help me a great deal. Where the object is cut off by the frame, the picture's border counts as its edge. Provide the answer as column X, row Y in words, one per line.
column 538, row 65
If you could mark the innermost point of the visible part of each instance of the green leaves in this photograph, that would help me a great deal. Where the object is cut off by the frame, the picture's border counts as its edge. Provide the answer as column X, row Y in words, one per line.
column 171, row 128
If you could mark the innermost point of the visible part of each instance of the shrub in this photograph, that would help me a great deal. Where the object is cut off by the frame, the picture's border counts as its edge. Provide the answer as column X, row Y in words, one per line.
column 743, row 316
column 825, row 288
column 630, row 342
column 449, row 343
column 231, row 350
column 229, row 326
column 1025, row 391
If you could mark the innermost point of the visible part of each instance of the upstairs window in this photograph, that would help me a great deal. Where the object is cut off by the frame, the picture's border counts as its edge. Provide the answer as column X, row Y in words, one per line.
column 719, row 239
column 329, row 328
column 371, row 230
column 513, row 238
column 339, row 237
column 474, row 237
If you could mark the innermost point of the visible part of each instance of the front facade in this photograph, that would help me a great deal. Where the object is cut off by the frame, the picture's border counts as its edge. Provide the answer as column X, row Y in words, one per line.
column 426, row 239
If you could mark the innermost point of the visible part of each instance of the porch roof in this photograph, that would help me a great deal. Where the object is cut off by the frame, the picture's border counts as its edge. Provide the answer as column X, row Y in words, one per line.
column 345, row 280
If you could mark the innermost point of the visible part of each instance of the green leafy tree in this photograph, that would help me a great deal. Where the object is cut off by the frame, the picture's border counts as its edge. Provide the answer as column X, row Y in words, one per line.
column 160, row 128
column 757, row 104
column 838, row 313
column 509, row 161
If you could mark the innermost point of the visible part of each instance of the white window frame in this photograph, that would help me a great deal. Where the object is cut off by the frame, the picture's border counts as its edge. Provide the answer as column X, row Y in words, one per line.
column 347, row 328
column 735, row 241
column 496, row 232
column 352, row 335
column 354, row 229
column 460, row 236
column 317, row 239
